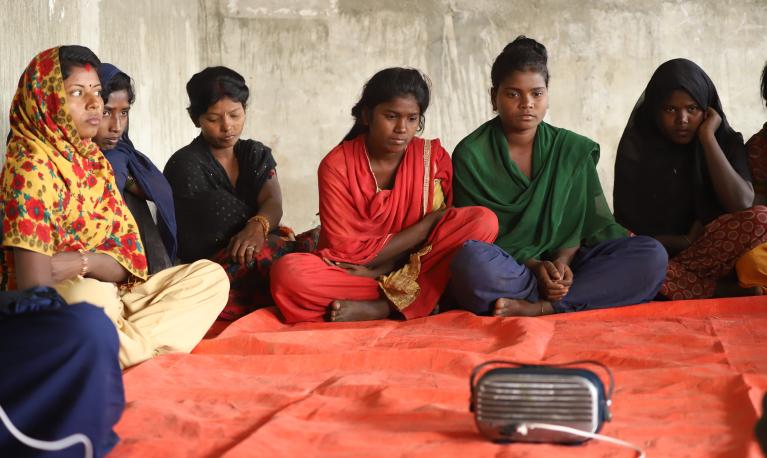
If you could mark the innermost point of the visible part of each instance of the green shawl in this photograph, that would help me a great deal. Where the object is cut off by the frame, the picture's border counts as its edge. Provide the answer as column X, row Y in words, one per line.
column 561, row 206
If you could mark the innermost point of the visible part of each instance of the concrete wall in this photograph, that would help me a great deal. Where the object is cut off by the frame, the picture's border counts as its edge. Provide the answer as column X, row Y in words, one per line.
column 306, row 61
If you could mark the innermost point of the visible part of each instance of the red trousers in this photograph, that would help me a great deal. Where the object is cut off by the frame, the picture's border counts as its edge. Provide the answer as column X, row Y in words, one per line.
column 303, row 286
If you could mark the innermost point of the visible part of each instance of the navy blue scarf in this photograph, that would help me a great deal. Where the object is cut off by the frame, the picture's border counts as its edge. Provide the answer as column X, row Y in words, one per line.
column 126, row 160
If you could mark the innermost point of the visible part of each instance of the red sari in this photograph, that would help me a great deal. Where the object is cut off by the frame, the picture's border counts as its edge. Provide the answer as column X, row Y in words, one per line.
column 358, row 220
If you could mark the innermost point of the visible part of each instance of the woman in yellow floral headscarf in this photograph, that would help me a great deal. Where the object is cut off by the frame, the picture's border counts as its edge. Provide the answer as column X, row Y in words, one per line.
column 66, row 225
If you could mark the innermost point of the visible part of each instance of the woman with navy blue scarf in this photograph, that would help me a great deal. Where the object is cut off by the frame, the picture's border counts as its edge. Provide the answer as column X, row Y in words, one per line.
column 137, row 177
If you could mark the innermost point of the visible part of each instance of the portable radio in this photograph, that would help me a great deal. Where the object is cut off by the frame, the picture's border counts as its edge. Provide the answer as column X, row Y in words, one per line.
column 539, row 403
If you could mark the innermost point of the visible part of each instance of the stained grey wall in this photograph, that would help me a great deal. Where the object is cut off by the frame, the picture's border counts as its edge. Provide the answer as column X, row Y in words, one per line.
column 306, row 61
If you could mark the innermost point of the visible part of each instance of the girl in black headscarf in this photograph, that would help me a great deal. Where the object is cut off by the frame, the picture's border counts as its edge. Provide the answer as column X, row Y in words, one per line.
column 682, row 176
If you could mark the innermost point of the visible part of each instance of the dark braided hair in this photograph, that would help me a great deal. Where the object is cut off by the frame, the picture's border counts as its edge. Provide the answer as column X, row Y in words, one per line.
column 213, row 84
column 119, row 82
column 522, row 54
column 386, row 85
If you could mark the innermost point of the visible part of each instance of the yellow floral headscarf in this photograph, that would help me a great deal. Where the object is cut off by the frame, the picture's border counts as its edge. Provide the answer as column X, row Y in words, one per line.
column 58, row 191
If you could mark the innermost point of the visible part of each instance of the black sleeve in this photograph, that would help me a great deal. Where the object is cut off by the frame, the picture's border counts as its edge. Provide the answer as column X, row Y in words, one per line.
column 208, row 214
column 256, row 166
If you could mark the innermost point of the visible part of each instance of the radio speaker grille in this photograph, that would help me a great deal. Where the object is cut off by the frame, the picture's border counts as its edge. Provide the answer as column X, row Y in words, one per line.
column 504, row 401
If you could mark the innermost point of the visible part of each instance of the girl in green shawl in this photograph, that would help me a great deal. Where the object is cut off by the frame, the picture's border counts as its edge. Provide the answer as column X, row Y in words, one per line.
column 559, row 248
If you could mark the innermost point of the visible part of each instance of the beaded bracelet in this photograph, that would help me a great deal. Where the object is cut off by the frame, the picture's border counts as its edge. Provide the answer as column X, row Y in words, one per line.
column 263, row 221
column 83, row 264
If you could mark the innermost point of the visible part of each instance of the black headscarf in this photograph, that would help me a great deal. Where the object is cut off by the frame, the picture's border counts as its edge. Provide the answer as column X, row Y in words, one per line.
column 662, row 187
column 209, row 210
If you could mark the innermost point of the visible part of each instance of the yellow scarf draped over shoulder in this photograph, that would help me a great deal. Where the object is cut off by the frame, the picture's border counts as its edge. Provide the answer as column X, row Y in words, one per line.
column 58, row 190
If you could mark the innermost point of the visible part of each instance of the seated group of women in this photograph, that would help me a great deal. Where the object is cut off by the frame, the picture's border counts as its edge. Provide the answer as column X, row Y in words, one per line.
column 515, row 224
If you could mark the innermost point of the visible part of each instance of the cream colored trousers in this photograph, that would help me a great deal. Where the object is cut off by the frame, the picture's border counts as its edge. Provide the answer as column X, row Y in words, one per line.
column 170, row 312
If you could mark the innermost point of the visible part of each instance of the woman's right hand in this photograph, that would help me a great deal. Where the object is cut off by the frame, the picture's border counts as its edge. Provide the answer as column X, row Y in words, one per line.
column 433, row 219
column 675, row 244
column 695, row 232
column 66, row 265
column 246, row 244
column 554, row 280
column 711, row 122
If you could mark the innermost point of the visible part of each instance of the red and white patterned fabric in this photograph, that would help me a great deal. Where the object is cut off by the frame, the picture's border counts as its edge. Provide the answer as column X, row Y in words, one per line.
column 693, row 273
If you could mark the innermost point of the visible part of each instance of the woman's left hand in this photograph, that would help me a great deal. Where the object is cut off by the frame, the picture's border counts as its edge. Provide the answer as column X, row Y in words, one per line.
column 246, row 244
column 711, row 122
column 66, row 265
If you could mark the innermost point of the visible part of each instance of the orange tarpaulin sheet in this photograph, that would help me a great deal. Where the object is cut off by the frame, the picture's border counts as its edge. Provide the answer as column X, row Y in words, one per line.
column 689, row 380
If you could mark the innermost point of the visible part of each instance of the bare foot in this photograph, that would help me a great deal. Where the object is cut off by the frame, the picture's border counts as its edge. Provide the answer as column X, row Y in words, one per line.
column 520, row 307
column 359, row 310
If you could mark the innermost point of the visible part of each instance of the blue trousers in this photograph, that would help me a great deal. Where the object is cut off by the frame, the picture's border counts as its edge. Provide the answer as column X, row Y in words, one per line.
column 610, row 274
column 60, row 374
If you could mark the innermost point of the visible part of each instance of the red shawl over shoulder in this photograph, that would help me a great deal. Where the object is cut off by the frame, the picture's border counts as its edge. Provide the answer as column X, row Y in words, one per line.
column 356, row 220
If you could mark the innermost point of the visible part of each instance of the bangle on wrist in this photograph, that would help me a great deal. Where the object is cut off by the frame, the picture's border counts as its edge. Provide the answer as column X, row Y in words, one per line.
column 263, row 221
column 83, row 264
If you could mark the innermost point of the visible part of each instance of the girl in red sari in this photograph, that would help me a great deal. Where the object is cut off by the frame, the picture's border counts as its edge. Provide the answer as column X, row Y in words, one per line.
column 388, row 227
